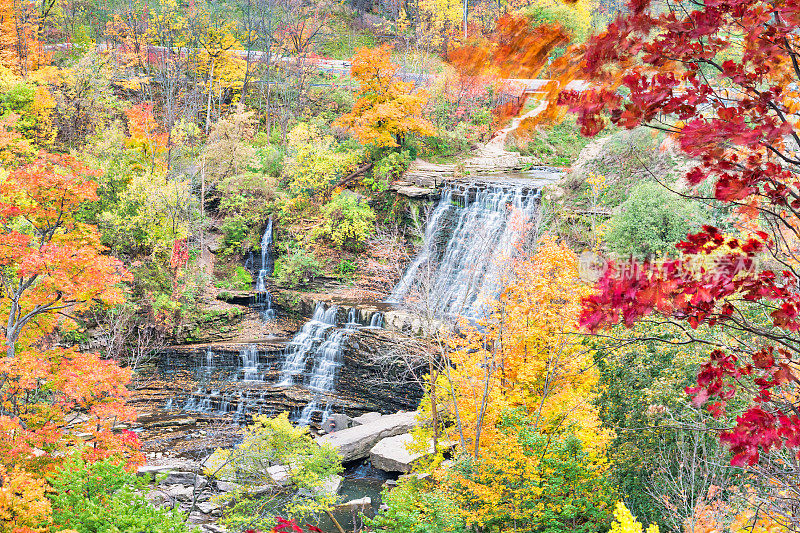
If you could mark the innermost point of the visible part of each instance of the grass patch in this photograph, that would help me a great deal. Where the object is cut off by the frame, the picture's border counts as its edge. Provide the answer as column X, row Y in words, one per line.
column 558, row 145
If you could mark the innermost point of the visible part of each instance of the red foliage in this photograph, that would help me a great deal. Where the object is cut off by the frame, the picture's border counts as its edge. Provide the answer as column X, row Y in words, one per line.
column 738, row 118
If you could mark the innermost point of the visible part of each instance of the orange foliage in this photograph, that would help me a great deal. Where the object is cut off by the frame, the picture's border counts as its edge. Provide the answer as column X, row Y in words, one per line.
column 386, row 110
column 20, row 48
column 146, row 133
column 54, row 401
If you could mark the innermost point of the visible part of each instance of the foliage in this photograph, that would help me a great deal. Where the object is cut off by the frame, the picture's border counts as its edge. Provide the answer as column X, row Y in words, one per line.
column 104, row 498
column 151, row 212
column 525, row 354
column 652, row 221
column 387, row 169
column 740, row 147
column 528, row 480
column 625, row 522
column 386, row 110
column 575, row 18
column 269, row 443
column 228, row 150
column 297, row 269
column 238, row 280
column 314, row 167
column 23, row 505
column 412, row 507
column 52, row 261
column 557, row 144
column 347, row 221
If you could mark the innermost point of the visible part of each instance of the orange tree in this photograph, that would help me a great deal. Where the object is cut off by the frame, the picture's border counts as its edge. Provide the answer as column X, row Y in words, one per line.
column 54, row 401
column 386, row 109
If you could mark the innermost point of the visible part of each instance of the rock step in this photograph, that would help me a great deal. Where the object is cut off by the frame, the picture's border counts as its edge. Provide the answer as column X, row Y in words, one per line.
column 356, row 442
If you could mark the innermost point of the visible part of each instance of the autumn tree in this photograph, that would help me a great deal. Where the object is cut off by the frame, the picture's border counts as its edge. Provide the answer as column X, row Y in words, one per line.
column 386, row 109
column 721, row 78
column 523, row 388
column 21, row 49
column 56, row 401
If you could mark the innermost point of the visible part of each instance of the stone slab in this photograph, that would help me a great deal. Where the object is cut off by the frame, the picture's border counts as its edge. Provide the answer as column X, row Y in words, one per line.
column 356, row 442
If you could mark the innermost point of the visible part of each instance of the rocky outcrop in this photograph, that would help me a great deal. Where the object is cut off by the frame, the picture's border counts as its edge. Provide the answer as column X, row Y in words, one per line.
column 391, row 454
column 356, row 442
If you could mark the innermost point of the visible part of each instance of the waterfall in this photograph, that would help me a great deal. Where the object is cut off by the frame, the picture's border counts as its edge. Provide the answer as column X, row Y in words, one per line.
column 376, row 321
column 310, row 335
column 458, row 271
column 263, row 297
column 249, row 355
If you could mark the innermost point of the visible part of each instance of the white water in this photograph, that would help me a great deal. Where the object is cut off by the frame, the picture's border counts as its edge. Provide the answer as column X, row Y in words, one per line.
column 263, row 297
column 249, row 356
column 462, row 274
column 310, row 335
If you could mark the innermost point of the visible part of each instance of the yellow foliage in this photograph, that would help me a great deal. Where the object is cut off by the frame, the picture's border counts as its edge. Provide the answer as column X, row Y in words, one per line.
column 24, row 507
column 527, row 356
column 626, row 523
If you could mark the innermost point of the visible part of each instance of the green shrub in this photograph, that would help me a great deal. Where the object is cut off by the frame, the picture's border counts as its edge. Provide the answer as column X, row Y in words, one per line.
column 414, row 508
column 103, row 498
column 448, row 143
column 238, row 280
column 235, row 230
column 388, row 168
column 347, row 221
column 652, row 220
column 267, row 160
column 557, row 145
column 346, row 268
column 298, row 269
column 269, row 442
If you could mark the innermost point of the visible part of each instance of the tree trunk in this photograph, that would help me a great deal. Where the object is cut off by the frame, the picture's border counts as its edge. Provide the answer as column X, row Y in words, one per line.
column 210, row 87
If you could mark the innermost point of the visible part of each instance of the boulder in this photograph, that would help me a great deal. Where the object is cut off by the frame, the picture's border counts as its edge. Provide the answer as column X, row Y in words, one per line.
column 337, row 422
column 356, row 442
column 356, row 505
column 366, row 417
column 391, row 454
column 184, row 478
column 279, row 474
column 180, row 492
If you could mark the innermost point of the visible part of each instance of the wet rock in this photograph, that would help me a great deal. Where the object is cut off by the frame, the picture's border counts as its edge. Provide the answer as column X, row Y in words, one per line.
column 391, row 454
column 337, row 422
column 356, row 442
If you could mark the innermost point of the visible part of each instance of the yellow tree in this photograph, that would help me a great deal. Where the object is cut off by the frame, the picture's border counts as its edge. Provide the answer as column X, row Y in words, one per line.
column 526, row 356
column 20, row 48
column 386, row 109
column 533, row 456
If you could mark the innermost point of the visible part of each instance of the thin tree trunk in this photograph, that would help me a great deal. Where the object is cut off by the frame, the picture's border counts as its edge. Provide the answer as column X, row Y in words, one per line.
column 210, row 87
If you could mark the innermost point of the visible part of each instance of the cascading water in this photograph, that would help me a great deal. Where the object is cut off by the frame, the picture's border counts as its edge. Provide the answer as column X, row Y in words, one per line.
column 326, row 357
column 263, row 297
column 249, row 355
column 376, row 321
column 310, row 335
column 458, row 272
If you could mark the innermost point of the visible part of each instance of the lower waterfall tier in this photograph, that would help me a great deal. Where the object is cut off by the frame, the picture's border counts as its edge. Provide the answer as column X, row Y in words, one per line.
column 234, row 383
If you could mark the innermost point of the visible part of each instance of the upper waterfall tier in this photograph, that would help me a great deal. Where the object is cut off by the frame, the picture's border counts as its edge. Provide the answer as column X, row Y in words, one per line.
column 469, row 242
